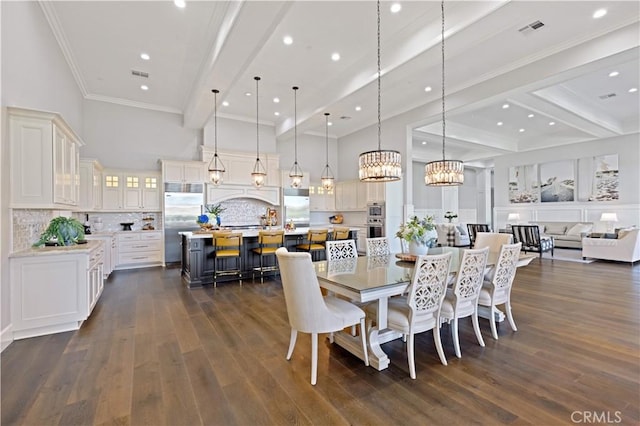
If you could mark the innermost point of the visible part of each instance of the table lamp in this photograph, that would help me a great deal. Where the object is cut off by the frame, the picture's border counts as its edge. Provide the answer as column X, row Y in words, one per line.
column 513, row 218
column 609, row 219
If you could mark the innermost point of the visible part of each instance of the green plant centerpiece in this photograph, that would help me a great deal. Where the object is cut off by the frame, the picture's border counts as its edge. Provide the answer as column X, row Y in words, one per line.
column 63, row 230
column 419, row 233
column 450, row 216
column 215, row 210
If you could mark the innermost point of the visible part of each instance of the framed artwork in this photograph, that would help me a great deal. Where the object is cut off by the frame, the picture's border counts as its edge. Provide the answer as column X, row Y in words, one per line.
column 557, row 181
column 523, row 184
column 598, row 178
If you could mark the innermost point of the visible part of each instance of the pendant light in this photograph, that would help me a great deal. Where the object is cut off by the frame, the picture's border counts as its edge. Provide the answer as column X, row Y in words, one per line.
column 216, row 168
column 295, row 174
column 443, row 172
column 327, row 180
column 380, row 165
column 259, row 174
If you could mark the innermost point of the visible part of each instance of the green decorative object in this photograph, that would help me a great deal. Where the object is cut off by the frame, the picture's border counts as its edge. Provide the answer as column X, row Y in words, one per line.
column 63, row 230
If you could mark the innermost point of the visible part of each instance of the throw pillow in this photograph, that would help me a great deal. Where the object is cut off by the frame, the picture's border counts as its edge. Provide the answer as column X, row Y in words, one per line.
column 463, row 230
column 554, row 229
column 579, row 228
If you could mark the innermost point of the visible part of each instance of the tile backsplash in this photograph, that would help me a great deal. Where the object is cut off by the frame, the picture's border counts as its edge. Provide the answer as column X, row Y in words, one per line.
column 111, row 221
column 28, row 225
column 244, row 211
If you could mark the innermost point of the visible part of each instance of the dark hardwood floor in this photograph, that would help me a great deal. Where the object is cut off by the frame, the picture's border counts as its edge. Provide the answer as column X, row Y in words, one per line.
column 154, row 353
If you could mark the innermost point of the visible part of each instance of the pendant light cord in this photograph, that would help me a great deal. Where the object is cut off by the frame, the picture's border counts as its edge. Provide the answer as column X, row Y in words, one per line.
column 257, row 79
column 379, row 125
column 295, row 123
column 443, row 108
column 326, row 127
column 215, row 121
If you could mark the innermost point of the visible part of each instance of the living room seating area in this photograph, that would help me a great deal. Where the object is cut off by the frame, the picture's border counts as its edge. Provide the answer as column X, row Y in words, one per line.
column 624, row 248
column 565, row 234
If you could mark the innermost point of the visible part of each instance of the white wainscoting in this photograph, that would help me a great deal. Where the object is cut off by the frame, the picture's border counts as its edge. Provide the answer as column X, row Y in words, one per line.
column 628, row 214
column 464, row 215
column 6, row 337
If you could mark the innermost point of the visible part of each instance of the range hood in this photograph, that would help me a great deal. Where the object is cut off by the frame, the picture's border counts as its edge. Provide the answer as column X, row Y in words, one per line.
column 268, row 194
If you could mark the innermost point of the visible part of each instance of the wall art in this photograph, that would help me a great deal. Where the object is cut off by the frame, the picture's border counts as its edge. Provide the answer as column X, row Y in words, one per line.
column 557, row 181
column 523, row 184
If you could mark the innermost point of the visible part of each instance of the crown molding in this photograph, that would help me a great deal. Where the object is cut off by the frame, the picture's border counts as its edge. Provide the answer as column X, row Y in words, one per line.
column 134, row 104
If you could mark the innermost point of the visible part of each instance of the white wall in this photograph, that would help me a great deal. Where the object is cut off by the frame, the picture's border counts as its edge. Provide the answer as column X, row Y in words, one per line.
column 34, row 75
column 237, row 135
column 133, row 138
column 312, row 155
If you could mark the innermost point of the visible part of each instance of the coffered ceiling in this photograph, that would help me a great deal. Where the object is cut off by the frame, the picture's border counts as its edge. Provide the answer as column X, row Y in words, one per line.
column 497, row 54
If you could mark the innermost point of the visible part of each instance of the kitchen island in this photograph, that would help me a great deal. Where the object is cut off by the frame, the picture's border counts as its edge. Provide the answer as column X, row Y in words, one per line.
column 197, row 249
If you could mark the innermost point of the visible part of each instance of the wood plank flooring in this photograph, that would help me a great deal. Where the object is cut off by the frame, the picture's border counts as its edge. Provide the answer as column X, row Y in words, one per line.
column 156, row 353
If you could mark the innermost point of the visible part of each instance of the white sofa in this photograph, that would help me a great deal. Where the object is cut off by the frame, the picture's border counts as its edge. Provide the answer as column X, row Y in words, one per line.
column 626, row 248
column 453, row 235
column 565, row 234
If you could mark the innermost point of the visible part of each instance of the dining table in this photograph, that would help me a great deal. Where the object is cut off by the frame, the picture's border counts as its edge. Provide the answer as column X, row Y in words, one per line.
column 374, row 279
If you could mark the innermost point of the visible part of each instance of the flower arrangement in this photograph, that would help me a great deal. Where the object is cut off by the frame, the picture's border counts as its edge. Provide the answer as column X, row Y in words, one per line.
column 417, row 230
column 214, row 209
column 450, row 216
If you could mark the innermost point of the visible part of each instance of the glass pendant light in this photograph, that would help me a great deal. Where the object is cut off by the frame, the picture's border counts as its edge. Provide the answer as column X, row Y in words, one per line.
column 443, row 172
column 259, row 173
column 216, row 168
column 327, row 180
column 380, row 165
column 295, row 174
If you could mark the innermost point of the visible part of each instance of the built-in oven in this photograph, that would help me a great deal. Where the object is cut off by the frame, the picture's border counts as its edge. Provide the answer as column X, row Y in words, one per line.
column 375, row 211
column 375, row 228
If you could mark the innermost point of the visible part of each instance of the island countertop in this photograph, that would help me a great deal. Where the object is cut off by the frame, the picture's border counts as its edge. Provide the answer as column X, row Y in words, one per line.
column 247, row 233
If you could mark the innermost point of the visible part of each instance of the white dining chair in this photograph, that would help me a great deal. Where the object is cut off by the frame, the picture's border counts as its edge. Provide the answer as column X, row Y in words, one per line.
column 497, row 290
column 493, row 240
column 420, row 310
column 341, row 249
column 378, row 246
column 462, row 300
column 309, row 311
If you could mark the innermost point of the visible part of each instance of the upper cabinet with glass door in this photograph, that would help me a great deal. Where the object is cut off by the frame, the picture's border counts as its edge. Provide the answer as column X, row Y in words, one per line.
column 131, row 190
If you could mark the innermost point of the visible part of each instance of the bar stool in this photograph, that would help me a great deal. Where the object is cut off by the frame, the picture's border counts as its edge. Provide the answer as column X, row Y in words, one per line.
column 227, row 246
column 269, row 242
column 340, row 234
column 316, row 239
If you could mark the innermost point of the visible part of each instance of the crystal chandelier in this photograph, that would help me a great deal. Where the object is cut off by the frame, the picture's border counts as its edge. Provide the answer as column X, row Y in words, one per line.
column 216, row 168
column 259, row 173
column 327, row 176
column 380, row 165
column 443, row 172
column 295, row 174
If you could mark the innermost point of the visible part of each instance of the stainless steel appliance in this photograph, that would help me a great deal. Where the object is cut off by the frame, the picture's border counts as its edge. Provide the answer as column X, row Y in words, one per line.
column 296, row 207
column 375, row 220
column 183, row 203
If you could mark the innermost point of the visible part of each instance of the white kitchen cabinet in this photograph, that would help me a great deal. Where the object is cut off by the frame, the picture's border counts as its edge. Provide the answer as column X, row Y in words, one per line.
column 320, row 199
column 90, row 198
column 44, row 160
column 184, row 171
column 131, row 190
column 350, row 196
column 375, row 192
column 54, row 289
column 216, row 194
column 110, row 251
column 138, row 249
column 239, row 166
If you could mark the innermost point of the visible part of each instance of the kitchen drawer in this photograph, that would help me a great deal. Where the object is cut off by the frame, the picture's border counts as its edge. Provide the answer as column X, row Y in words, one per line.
column 133, row 236
column 139, row 257
column 136, row 246
column 96, row 256
column 150, row 236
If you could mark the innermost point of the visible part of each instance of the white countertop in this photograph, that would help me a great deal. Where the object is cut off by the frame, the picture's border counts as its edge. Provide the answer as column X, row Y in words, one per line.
column 49, row 251
column 254, row 232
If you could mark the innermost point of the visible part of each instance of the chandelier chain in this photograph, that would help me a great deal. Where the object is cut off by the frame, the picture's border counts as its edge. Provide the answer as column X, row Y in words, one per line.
column 379, row 120
column 443, row 106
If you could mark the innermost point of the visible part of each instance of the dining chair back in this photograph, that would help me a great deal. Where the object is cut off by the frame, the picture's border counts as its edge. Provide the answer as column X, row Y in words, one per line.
column 462, row 300
column 497, row 291
column 268, row 243
column 420, row 310
column 340, row 234
column 308, row 310
column 493, row 240
column 378, row 246
column 474, row 228
column 529, row 236
column 342, row 249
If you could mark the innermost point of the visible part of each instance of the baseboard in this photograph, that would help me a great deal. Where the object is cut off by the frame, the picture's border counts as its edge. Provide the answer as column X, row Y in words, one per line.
column 6, row 337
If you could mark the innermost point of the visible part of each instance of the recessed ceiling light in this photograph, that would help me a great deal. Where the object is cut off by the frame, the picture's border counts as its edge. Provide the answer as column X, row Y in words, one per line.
column 614, row 74
column 329, row 124
column 530, row 115
column 552, row 123
column 180, row 3
column 276, row 100
column 287, row 40
column 276, row 113
column 633, row 90
column 499, row 123
column 145, row 56
column 247, row 94
column 144, row 87
column 335, row 57
column 521, row 130
column 599, row 13
column 505, row 106
column 395, row 8
column 359, row 108
column 424, row 142
column 427, row 89
column 225, row 103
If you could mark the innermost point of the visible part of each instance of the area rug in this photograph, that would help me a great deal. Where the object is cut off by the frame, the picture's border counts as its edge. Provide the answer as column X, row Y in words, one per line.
column 567, row 255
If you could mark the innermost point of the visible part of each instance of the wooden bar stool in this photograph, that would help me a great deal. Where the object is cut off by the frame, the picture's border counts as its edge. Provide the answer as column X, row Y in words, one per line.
column 268, row 242
column 316, row 239
column 228, row 245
